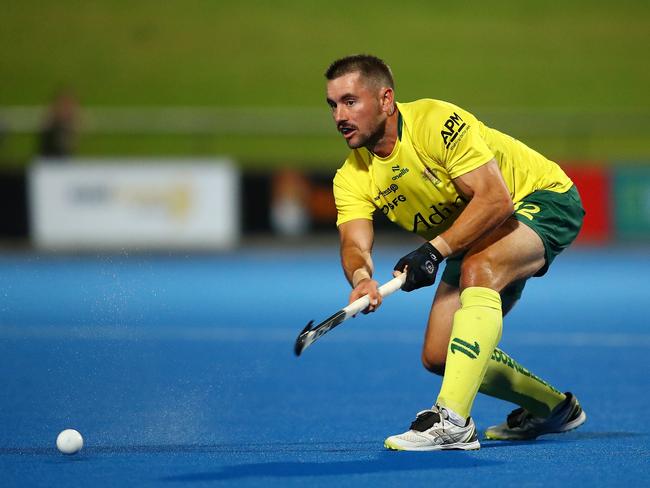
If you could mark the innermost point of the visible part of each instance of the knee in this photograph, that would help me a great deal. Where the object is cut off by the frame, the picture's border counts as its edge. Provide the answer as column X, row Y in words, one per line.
column 434, row 363
column 478, row 270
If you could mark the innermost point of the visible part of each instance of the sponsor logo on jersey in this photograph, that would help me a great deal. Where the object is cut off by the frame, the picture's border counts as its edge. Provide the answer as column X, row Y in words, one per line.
column 387, row 192
column 392, row 204
column 439, row 214
column 429, row 175
column 453, row 126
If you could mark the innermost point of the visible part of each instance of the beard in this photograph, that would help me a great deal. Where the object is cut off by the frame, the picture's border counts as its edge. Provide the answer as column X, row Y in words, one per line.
column 369, row 140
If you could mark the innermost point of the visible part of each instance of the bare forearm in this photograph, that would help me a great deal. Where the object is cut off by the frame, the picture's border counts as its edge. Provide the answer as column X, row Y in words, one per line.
column 357, row 264
column 480, row 217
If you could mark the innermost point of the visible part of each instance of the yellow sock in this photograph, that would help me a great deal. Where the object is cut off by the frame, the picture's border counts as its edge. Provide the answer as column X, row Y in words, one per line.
column 475, row 333
column 506, row 379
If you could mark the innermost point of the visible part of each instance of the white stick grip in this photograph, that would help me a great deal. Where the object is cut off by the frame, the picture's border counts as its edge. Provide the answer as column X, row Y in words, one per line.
column 384, row 290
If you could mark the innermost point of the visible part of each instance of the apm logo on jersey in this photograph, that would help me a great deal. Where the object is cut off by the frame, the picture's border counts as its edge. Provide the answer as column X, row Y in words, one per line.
column 453, row 127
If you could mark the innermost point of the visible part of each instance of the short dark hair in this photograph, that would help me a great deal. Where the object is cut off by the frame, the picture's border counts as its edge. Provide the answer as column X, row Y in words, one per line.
column 370, row 67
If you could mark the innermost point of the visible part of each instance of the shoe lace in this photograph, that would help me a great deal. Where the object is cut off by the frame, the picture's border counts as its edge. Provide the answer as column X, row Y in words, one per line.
column 517, row 417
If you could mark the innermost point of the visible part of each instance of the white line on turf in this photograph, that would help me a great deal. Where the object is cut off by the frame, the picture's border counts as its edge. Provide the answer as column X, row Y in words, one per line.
column 278, row 335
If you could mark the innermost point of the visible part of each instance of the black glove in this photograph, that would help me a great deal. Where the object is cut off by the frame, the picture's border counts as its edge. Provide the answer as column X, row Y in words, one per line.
column 422, row 267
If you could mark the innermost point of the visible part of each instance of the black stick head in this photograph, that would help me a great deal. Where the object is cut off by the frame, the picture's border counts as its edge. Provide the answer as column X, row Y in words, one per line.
column 300, row 341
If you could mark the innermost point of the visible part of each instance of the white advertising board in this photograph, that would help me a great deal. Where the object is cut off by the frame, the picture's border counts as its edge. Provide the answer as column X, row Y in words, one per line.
column 134, row 204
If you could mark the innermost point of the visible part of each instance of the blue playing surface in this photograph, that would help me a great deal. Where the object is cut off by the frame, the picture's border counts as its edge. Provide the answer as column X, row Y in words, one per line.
column 179, row 371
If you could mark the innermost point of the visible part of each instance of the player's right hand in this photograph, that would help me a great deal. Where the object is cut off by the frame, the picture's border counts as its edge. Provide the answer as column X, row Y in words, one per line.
column 369, row 287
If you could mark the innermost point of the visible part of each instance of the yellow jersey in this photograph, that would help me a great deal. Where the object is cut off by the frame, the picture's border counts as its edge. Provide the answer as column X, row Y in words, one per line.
column 437, row 142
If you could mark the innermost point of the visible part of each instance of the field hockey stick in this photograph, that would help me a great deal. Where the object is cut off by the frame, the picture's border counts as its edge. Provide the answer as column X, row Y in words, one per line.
column 310, row 334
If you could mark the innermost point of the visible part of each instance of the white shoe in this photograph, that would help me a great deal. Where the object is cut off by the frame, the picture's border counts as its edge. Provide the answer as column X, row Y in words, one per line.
column 522, row 425
column 433, row 431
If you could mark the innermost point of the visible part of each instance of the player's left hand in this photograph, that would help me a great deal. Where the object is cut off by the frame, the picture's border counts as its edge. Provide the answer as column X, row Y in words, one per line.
column 421, row 267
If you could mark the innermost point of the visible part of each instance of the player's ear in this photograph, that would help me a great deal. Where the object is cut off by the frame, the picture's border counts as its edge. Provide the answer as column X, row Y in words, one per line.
column 388, row 100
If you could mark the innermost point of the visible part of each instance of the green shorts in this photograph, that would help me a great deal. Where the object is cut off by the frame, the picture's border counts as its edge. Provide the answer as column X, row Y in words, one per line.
column 555, row 217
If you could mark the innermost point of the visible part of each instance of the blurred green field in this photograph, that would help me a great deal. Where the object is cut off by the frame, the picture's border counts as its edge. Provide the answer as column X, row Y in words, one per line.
column 509, row 62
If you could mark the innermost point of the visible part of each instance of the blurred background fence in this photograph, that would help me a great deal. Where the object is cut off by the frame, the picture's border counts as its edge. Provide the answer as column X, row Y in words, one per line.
column 208, row 83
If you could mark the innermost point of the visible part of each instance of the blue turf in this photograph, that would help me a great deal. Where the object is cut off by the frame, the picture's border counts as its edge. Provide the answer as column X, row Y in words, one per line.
column 178, row 370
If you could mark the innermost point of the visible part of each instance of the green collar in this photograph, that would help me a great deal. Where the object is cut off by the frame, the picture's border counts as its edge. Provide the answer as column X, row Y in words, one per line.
column 400, row 122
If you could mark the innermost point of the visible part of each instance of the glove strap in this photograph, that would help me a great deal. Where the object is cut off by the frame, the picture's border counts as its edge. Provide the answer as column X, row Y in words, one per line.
column 431, row 250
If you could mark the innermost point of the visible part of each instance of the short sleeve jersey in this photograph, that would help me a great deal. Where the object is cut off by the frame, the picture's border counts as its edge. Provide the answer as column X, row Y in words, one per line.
column 437, row 142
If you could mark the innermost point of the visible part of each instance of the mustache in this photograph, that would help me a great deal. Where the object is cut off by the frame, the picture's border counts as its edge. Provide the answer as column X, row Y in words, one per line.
column 343, row 125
